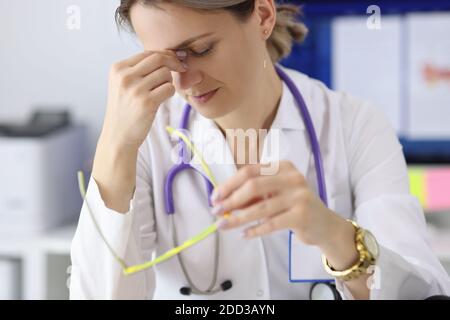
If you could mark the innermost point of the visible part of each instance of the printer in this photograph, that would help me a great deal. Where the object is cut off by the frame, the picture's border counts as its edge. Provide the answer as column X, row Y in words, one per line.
column 38, row 173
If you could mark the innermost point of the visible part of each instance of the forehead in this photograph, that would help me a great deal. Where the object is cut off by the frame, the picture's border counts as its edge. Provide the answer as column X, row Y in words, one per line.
column 167, row 27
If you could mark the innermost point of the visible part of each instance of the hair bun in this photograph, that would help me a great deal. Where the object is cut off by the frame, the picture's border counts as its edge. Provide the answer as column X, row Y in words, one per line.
column 287, row 31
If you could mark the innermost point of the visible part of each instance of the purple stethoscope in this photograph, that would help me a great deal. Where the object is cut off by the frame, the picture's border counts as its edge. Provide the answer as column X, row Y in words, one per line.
column 184, row 165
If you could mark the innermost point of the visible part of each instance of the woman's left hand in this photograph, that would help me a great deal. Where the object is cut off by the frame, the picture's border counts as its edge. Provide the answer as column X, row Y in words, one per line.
column 280, row 201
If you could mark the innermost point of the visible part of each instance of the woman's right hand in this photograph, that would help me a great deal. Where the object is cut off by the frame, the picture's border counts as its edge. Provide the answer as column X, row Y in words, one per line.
column 137, row 87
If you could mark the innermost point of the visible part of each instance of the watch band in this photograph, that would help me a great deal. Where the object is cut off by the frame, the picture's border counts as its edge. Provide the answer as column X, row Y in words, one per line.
column 365, row 260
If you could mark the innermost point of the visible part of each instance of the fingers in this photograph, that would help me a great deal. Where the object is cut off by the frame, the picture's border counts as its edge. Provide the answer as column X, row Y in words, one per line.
column 251, row 189
column 264, row 209
column 234, row 182
column 150, row 79
column 133, row 60
column 155, row 61
column 144, row 63
column 268, row 199
column 162, row 92
column 154, row 80
column 278, row 222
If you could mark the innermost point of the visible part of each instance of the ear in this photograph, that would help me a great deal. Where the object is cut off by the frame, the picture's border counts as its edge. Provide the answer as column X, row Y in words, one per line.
column 266, row 12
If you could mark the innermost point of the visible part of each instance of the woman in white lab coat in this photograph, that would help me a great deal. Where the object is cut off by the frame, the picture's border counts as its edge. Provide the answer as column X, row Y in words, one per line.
column 384, row 254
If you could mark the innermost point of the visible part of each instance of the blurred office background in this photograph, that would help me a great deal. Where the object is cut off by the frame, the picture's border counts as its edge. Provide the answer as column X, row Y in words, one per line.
column 54, row 60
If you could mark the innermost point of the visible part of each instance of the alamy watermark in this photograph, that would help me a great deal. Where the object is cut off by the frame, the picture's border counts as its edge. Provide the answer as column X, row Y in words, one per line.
column 248, row 146
column 73, row 21
column 374, row 20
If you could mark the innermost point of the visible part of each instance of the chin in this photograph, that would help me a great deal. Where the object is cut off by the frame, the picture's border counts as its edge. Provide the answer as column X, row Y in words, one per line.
column 209, row 111
column 213, row 109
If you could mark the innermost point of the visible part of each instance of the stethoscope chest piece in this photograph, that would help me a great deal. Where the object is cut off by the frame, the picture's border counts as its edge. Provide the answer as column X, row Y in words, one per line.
column 224, row 286
column 324, row 291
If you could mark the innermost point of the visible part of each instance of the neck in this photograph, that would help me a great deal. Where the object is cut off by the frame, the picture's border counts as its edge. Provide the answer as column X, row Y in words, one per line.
column 262, row 105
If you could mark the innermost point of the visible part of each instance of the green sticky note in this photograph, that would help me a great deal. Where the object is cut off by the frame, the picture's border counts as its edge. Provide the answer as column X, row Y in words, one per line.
column 417, row 184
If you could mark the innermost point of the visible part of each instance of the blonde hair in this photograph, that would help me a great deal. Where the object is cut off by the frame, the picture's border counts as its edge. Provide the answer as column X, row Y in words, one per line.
column 287, row 29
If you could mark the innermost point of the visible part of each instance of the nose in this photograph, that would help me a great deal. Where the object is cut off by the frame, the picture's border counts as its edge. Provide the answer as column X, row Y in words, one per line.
column 187, row 79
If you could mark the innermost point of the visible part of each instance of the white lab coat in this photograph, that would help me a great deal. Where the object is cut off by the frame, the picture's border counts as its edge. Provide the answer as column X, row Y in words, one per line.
column 366, row 178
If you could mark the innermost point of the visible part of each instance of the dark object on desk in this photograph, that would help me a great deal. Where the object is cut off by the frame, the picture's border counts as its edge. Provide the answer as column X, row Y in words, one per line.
column 40, row 124
column 438, row 297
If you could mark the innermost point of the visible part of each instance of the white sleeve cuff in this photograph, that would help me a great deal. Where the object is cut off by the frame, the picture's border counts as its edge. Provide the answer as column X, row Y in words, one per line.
column 114, row 225
column 398, row 277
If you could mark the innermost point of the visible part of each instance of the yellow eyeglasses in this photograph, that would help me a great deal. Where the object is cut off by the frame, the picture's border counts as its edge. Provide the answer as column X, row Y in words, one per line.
column 128, row 270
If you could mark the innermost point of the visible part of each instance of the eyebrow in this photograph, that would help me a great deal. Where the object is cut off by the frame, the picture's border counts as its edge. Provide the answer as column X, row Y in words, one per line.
column 190, row 40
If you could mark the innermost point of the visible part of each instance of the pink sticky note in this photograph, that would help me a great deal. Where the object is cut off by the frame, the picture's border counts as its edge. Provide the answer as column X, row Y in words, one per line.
column 437, row 182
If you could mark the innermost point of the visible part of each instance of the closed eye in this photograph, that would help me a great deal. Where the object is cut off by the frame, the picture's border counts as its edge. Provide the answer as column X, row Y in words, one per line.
column 202, row 53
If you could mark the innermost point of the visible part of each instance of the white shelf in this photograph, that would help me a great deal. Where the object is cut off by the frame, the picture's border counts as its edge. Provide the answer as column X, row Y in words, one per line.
column 54, row 241
column 59, row 240
column 33, row 253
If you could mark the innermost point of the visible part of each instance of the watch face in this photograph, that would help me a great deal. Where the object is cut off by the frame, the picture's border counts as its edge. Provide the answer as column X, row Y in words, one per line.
column 371, row 243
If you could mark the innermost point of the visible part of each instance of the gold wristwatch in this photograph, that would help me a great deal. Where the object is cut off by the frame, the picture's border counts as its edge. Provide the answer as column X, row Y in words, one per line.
column 367, row 247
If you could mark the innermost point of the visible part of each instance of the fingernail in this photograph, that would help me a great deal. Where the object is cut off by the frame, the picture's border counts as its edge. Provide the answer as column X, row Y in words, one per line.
column 222, row 223
column 181, row 53
column 215, row 195
column 217, row 209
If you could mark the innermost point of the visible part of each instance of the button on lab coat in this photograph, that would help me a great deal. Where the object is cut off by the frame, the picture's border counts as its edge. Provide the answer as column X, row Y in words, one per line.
column 366, row 178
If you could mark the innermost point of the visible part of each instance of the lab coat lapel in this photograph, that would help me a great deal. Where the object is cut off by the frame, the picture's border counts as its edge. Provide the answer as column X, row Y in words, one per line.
column 289, row 134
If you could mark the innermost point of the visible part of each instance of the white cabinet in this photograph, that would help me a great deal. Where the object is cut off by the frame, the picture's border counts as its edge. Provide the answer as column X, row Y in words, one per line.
column 36, row 267
column 10, row 278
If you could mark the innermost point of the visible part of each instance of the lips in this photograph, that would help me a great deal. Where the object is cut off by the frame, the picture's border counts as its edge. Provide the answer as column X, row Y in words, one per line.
column 206, row 96
column 201, row 95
